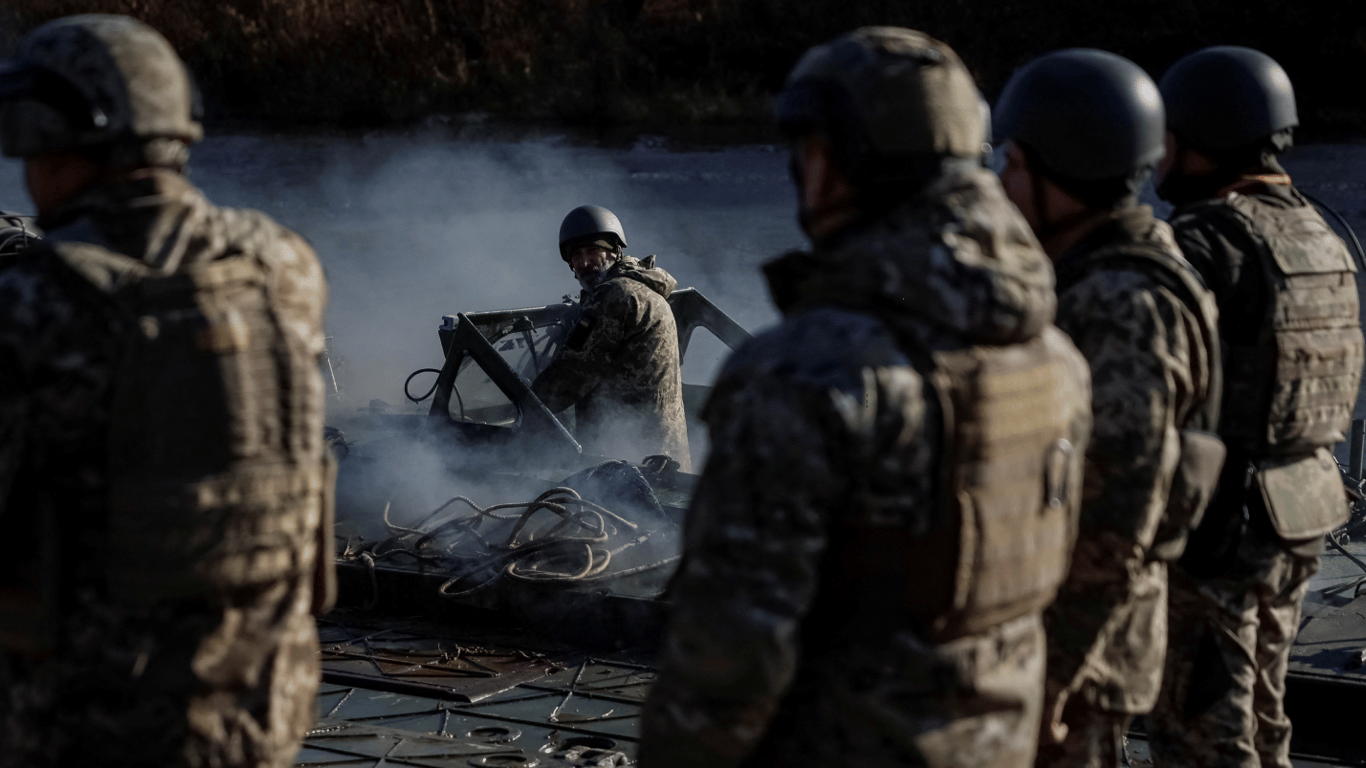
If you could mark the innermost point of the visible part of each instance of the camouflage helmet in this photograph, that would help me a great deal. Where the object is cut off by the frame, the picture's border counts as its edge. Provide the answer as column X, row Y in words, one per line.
column 1086, row 115
column 84, row 81
column 888, row 99
column 591, row 224
column 1228, row 97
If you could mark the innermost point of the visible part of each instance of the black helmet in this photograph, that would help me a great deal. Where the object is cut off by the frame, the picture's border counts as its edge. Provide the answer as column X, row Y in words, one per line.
column 1086, row 115
column 588, row 224
column 889, row 100
column 1228, row 98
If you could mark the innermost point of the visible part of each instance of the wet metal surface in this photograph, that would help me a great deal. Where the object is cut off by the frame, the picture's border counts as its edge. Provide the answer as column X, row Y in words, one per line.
column 475, row 692
column 399, row 659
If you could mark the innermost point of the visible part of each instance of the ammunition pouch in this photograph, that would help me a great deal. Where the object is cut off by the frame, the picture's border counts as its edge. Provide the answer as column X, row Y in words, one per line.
column 1193, row 486
column 1010, row 492
column 1304, row 496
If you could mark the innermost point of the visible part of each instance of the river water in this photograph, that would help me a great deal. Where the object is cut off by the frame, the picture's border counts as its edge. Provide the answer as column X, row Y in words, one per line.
column 414, row 226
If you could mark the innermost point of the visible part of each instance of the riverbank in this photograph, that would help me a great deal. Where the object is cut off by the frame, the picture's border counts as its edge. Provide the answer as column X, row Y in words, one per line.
column 703, row 71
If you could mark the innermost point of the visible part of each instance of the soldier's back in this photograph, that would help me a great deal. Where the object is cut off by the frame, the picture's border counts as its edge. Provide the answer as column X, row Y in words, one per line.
column 166, row 409
column 825, row 544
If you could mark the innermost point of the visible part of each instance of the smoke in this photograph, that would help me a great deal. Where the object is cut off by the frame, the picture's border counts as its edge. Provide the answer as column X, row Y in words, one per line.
column 414, row 226
column 411, row 227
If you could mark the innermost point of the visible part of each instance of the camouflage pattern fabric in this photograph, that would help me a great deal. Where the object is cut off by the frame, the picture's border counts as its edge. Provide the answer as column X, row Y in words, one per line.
column 1150, row 372
column 1095, row 736
column 1236, row 594
column 226, row 680
column 1222, row 699
column 824, row 419
column 619, row 368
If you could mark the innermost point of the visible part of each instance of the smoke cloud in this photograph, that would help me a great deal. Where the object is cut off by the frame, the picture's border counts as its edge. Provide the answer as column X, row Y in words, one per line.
column 414, row 227
column 411, row 227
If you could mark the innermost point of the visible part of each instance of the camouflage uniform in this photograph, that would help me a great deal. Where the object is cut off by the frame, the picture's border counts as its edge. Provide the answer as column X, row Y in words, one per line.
column 121, row 645
column 827, row 441
column 1236, row 595
column 619, row 367
column 1151, row 376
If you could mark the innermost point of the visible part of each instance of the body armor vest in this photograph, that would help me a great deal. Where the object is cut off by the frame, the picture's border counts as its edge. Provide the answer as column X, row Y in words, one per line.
column 1294, row 390
column 1006, row 498
column 1202, row 452
column 217, row 472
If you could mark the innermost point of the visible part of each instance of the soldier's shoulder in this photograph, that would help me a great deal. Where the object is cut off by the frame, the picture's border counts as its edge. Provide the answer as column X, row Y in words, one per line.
column 1124, row 293
column 251, row 230
column 622, row 294
column 1223, row 214
column 823, row 347
column 1120, row 269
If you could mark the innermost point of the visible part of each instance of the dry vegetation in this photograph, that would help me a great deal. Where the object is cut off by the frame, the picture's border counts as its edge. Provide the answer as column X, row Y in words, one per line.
column 662, row 64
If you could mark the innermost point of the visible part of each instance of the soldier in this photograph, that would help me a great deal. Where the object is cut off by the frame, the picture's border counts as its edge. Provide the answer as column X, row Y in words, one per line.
column 619, row 365
column 1085, row 129
column 1292, row 349
column 889, row 501
column 161, row 450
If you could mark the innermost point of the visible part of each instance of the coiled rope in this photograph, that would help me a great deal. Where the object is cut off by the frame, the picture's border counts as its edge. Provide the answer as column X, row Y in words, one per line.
column 572, row 549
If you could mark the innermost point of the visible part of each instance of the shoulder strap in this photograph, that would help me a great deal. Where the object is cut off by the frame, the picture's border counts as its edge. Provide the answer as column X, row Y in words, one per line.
column 106, row 271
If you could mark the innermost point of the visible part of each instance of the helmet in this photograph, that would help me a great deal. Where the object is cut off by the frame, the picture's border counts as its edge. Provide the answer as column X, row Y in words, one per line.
column 1228, row 97
column 89, row 80
column 591, row 223
column 888, row 99
column 1085, row 114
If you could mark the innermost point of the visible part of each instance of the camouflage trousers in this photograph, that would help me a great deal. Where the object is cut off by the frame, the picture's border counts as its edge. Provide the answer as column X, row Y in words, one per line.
column 1095, row 736
column 192, row 686
column 1229, row 643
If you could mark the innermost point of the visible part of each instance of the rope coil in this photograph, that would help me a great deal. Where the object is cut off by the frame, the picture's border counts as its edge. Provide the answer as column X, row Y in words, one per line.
column 572, row 548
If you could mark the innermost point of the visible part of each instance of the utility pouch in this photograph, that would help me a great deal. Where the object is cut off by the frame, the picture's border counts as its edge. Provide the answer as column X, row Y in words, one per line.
column 325, row 568
column 1212, row 546
column 1193, row 485
column 1303, row 495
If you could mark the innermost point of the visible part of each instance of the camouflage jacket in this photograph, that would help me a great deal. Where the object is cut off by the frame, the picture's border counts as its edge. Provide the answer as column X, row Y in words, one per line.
column 619, row 368
column 226, row 680
column 822, row 419
column 1150, row 375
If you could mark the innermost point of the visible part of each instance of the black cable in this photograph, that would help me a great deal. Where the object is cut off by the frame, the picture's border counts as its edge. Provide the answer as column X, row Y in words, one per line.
column 409, row 380
column 1356, row 244
column 531, row 344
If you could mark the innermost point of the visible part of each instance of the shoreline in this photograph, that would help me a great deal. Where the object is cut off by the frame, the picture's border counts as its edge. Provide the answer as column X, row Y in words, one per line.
column 701, row 71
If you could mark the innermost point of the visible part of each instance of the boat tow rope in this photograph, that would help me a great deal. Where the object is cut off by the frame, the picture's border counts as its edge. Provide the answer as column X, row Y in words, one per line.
column 573, row 549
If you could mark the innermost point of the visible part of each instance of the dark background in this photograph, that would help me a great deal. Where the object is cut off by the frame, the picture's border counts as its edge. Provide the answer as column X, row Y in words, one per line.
column 698, row 70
